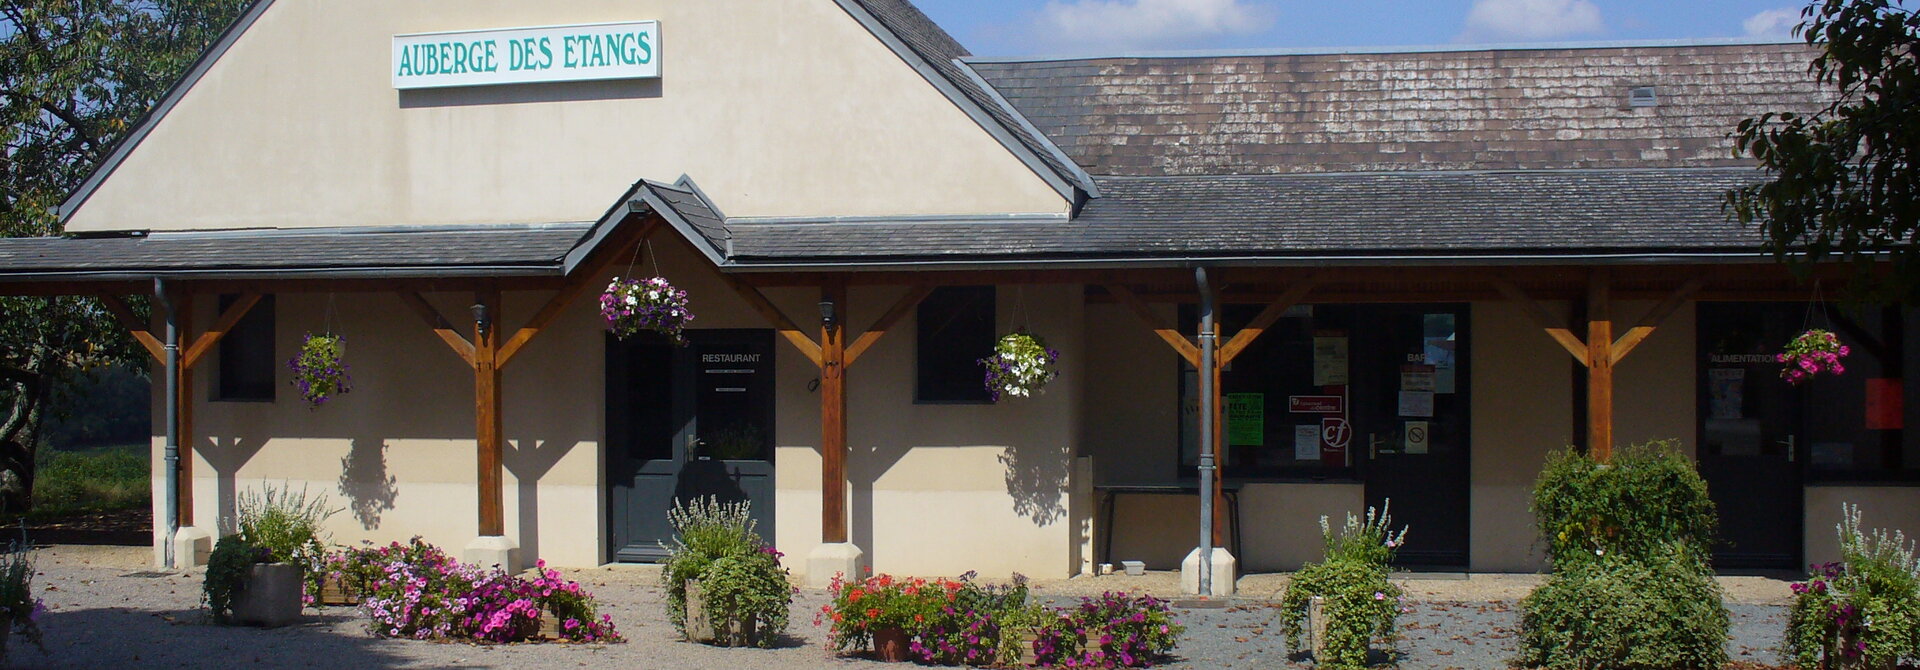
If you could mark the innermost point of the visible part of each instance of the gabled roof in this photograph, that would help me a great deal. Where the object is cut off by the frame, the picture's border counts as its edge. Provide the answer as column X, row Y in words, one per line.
column 919, row 42
column 417, row 251
column 1510, row 108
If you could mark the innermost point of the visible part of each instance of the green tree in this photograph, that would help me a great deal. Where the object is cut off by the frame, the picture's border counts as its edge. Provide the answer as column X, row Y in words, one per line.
column 75, row 76
column 1843, row 182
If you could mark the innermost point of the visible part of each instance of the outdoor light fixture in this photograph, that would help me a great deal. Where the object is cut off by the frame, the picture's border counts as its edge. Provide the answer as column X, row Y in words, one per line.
column 826, row 312
column 479, row 314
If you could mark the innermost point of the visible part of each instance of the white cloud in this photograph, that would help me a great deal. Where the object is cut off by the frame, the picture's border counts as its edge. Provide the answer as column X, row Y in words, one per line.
column 1772, row 23
column 1511, row 20
column 1114, row 26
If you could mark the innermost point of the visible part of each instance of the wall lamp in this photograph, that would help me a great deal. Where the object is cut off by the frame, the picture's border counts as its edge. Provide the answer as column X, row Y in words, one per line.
column 479, row 314
column 826, row 312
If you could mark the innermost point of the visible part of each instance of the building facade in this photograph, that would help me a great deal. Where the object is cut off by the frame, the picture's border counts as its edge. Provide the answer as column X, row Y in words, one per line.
column 1432, row 268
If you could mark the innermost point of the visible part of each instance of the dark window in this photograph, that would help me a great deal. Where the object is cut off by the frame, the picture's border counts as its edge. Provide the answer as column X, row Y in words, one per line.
column 247, row 361
column 956, row 331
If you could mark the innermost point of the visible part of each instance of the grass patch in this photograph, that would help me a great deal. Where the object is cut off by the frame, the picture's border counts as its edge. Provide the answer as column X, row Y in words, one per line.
column 96, row 480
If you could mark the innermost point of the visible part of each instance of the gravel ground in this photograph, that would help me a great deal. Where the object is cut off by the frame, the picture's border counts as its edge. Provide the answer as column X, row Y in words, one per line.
column 107, row 609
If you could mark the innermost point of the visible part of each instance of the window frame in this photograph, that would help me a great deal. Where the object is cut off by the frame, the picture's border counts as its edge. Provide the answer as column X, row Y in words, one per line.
column 262, row 317
column 920, row 380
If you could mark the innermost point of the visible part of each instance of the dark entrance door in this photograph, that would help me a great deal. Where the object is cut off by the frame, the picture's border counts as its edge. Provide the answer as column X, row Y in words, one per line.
column 683, row 423
column 1751, row 432
column 1410, row 424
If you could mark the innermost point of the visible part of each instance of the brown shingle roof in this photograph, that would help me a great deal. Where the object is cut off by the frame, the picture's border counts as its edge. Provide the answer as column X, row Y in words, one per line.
column 1513, row 109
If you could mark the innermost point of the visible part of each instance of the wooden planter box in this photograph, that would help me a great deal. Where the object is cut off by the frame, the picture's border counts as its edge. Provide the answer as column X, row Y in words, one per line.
column 335, row 592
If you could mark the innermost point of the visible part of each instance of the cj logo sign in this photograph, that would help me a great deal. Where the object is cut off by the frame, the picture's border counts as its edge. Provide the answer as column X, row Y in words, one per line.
column 527, row 55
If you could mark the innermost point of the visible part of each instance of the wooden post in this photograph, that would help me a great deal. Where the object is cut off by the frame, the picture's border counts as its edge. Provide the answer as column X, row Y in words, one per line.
column 833, row 417
column 1599, row 368
column 183, row 301
column 487, row 423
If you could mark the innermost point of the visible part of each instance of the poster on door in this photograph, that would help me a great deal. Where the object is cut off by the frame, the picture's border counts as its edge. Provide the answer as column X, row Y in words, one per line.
column 1329, row 360
column 1247, row 419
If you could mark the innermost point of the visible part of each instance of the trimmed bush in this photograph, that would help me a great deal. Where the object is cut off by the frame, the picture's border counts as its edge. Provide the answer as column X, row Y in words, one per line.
column 1661, row 612
column 1863, row 612
column 1649, row 496
column 1359, row 603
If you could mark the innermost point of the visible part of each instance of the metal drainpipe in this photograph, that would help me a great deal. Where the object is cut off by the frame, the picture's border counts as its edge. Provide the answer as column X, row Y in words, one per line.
column 1206, row 430
column 172, row 453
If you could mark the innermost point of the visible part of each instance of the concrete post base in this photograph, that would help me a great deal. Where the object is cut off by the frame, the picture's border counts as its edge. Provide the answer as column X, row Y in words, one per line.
column 837, row 558
column 191, row 546
column 493, row 550
column 1225, row 572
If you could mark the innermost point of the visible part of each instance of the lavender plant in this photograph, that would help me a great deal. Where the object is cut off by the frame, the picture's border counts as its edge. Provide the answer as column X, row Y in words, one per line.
column 1862, row 612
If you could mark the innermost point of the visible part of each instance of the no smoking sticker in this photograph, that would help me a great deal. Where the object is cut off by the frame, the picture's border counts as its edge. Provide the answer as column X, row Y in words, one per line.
column 1416, row 437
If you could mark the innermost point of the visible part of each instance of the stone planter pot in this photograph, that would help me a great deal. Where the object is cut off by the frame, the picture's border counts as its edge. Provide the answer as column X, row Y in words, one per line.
column 890, row 645
column 269, row 596
column 1027, row 656
column 1317, row 627
column 549, row 627
column 704, row 627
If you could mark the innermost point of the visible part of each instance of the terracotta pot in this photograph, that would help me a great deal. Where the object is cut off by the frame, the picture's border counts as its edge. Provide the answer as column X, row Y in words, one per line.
column 890, row 645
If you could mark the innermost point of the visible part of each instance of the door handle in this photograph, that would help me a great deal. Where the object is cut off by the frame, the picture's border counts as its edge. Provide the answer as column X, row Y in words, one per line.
column 1789, row 444
column 694, row 443
column 1373, row 445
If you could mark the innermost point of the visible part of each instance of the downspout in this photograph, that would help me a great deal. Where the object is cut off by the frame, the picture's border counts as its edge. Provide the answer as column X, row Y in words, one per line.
column 1206, row 430
column 172, row 453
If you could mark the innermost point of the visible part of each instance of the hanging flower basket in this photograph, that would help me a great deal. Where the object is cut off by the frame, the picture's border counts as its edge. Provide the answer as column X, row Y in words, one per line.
column 320, row 371
column 1021, row 366
column 1812, row 353
column 634, row 305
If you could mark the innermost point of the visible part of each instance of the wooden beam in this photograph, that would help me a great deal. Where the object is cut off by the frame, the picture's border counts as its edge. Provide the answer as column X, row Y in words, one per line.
column 1599, row 368
column 772, row 314
column 438, row 323
column 142, row 333
column 486, row 416
column 1261, row 323
column 1545, row 321
column 1644, row 327
column 900, row 309
column 1220, row 516
column 583, row 277
column 1173, row 338
column 228, row 318
column 833, row 420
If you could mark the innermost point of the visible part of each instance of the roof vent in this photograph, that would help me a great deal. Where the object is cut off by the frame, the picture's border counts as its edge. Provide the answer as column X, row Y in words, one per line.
column 1642, row 96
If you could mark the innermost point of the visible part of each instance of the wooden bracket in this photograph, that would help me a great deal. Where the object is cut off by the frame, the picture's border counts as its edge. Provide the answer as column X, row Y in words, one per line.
column 1241, row 340
column 900, row 308
column 440, row 327
column 142, row 332
column 204, row 343
column 582, row 279
column 1645, row 326
column 1571, row 342
column 1181, row 345
column 772, row 313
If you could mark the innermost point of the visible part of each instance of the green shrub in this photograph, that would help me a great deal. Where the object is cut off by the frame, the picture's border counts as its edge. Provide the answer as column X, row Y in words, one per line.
column 101, row 480
column 1649, row 496
column 707, row 532
column 227, row 567
column 1621, row 612
column 752, row 587
column 19, row 609
column 1863, row 612
column 287, row 527
column 1359, row 603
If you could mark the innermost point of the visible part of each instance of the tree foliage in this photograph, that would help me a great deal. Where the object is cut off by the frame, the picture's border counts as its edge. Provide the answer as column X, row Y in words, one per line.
column 1843, row 180
column 75, row 77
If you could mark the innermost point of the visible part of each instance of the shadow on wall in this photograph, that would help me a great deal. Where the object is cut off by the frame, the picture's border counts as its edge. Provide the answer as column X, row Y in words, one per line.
column 528, row 464
column 1037, row 481
column 227, row 455
column 364, row 480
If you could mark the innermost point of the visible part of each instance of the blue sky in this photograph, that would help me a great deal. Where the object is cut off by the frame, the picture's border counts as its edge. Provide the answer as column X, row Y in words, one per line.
column 1080, row 27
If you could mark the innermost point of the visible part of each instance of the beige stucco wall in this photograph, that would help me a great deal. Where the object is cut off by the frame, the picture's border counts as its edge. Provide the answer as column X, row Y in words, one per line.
column 936, row 489
column 1892, row 508
column 775, row 107
column 1522, row 409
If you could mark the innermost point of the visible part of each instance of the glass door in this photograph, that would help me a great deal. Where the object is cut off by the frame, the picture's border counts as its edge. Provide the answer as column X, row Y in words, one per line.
column 1411, row 424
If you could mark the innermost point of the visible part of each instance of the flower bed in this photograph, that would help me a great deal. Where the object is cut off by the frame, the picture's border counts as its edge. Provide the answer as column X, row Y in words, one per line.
column 1862, row 612
column 962, row 622
column 1358, row 602
column 422, row 593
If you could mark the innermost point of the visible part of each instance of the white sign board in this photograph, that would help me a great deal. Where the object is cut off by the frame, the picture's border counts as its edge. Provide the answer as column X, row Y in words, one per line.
column 527, row 55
